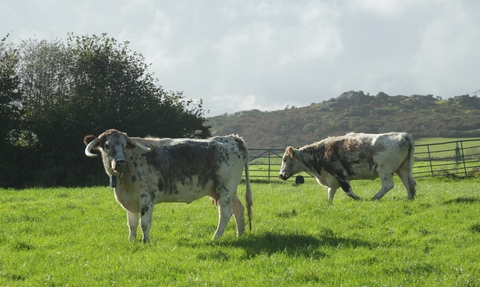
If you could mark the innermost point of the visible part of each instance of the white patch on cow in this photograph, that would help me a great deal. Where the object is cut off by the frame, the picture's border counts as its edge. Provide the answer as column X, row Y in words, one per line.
column 189, row 192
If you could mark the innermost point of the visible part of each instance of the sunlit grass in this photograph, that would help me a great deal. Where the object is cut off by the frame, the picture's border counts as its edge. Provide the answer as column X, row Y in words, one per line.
column 78, row 237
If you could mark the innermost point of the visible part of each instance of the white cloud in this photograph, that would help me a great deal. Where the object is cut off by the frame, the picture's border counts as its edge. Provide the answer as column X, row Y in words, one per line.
column 244, row 102
column 265, row 54
column 449, row 48
column 388, row 8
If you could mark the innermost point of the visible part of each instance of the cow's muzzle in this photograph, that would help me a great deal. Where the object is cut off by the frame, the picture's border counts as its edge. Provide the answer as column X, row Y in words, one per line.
column 282, row 177
column 119, row 165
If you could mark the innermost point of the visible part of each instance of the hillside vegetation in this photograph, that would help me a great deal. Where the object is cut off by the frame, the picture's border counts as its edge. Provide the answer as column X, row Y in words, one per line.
column 354, row 111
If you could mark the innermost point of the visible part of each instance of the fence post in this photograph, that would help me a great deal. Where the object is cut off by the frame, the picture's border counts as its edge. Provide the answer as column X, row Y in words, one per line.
column 457, row 153
column 430, row 160
column 463, row 159
column 269, row 166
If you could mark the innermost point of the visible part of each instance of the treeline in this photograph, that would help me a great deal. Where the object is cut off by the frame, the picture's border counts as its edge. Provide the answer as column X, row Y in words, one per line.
column 53, row 93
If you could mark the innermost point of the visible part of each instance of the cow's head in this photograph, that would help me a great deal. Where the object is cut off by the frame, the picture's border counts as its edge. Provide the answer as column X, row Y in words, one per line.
column 112, row 145
column 290, row 163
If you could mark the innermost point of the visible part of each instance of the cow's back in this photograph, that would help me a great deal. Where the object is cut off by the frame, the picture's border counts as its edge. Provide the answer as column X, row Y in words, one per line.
column 360, row 155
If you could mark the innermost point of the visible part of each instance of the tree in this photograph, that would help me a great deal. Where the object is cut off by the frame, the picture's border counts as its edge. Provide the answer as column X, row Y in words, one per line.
column 112, row 88
column 310, row 128
column 10, row 94
column 85, row 86
column 10, row 112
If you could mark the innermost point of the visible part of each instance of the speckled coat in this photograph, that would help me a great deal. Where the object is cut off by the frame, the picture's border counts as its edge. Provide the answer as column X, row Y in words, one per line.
column 335, row 161
column 154, row 170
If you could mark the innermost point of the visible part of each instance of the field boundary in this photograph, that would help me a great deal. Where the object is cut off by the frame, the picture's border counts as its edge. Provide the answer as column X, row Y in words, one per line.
column 453, row 159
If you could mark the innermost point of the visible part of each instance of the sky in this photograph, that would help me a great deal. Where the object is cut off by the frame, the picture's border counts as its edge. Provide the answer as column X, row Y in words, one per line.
column 269, row 54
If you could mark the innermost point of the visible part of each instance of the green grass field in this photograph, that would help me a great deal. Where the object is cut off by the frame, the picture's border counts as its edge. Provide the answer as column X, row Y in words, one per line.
column 78, row 237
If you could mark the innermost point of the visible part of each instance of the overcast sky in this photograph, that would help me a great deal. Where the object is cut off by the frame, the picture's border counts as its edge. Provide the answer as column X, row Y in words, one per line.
column 242, row 55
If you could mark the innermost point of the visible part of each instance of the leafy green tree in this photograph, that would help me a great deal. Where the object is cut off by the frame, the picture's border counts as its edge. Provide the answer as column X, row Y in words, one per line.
column 44, row 72
column 10, row 113
column 85, row 86
column 10, row 94
column 113, row 89
column 310, row 128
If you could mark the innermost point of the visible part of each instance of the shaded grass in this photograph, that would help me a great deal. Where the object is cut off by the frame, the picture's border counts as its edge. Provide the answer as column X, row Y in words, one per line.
column 78, row 237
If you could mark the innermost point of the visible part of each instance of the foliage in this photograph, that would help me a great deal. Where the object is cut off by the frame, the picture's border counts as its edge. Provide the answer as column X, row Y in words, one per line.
column 422, row 116
column 85, row 86
column 114, row 89
column 10, row 95
column 298, row 239
column 10, row 112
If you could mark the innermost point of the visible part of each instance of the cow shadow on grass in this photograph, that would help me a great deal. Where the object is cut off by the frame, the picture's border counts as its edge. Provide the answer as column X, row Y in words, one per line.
column 465, row 199
column 294, row 245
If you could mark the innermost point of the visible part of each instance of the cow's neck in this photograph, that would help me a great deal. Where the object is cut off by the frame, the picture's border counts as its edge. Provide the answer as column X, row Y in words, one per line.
column 312, row 159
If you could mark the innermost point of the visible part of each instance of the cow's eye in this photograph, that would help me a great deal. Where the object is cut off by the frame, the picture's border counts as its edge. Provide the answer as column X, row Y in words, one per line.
column 107, row 146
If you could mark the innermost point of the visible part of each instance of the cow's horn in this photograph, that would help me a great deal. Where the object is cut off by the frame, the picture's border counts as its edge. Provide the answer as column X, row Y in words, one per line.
column 89, row 148
column 139, row 145
column 142, row 147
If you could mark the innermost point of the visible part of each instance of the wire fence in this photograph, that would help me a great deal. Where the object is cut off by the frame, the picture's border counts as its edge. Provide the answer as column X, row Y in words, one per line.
column 453, row 159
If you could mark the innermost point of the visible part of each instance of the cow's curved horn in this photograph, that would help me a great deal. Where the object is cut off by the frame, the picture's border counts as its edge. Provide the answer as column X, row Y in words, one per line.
column 139, row 145
column 90, row 146
column 142, row 147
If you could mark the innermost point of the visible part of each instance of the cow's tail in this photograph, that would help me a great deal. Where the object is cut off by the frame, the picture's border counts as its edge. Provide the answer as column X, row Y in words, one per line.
column 411, row 153
column 248, row 195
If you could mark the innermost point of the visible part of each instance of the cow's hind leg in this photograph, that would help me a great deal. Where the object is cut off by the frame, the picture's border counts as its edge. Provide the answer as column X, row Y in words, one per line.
column 239, row 214
column 408, row 180
column 225, row 209
column 387, row 184
column 132, row 220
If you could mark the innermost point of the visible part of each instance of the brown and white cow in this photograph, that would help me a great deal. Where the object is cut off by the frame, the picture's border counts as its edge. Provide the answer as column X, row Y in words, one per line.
column 335, row 161
column 147, row 171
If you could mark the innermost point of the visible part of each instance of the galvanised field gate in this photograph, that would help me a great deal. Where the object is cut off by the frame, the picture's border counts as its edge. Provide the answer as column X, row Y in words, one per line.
column 455, row 159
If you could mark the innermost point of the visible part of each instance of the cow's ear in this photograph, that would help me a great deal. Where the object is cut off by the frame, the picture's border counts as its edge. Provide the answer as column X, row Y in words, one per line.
column 88, row 139
column 291, row 152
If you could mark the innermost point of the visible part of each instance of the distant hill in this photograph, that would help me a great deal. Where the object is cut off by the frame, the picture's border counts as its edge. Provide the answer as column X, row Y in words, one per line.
column 353, row 111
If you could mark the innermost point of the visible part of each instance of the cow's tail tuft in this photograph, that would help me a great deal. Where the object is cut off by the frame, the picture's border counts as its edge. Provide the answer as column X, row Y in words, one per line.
column 248, row 195
column 411, row 181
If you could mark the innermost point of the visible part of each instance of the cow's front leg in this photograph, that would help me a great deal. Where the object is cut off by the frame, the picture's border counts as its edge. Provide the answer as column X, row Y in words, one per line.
column 132, row 220
column 146, row 221
column 345, row 185
column 331, row 193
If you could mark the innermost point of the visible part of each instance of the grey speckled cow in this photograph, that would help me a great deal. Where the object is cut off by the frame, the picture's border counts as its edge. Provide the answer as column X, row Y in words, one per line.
column 335, row 161
column 151, row 170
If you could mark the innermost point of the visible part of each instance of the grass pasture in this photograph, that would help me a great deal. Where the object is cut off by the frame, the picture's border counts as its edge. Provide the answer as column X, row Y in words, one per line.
column 78, row 237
